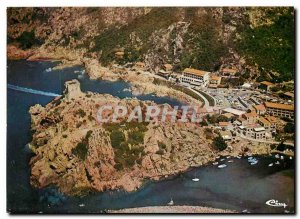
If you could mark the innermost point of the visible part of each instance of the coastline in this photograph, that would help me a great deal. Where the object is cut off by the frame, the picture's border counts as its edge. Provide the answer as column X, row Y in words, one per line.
column 139, row 78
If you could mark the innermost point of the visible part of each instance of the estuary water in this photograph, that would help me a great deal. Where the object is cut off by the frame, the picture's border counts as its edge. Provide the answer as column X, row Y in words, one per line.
column 239, row 186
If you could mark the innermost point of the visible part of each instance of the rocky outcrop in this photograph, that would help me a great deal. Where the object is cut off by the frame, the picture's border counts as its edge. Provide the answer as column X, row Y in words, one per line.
column 14, row 52
column 79, row 154
column 63, row 126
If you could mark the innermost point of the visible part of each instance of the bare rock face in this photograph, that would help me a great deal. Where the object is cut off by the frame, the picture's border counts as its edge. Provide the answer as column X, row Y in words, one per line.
column 13, row 52
column 76, row 153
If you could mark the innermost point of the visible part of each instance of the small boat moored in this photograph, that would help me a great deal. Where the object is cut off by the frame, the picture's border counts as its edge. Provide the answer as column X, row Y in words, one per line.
column 81, row 205
column 271, row 164
column 215, row 163
column 195, row 179
column 222, row 166
column 171, row 202
column 254, row 162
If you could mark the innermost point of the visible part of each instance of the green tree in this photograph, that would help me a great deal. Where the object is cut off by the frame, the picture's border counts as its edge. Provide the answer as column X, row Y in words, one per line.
column 289, row 127
column 219, row 143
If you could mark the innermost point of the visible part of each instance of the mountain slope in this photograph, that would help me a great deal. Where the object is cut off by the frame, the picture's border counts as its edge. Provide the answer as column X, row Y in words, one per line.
column 255, row 40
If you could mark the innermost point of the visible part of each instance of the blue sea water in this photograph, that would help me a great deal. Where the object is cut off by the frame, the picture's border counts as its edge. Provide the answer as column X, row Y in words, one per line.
column 237, row 187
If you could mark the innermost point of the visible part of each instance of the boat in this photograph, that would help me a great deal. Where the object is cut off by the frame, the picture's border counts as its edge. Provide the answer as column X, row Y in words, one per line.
column 277, row 156
column 254, row 162
column 291, row 158
column 222, row 166
column 81, row 205
column 171, row 202
column 215, row 163
column 250, row 158
column 48, row 69
column 217, row 157
column 239, row 157
column 271, row 164
column 277, row 163
column 195, row 179
column 281, row 157
column 222, row 159
column 230, row 161
column 228, row 157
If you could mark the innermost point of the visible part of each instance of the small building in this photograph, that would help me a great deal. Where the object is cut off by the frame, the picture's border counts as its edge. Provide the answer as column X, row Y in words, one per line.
column 251, row 117
column 233, row 111
column 254, row 131
column 273, row 120
column 163, row 73
column 168, row 67
column 226, row 135
column 266, row 85
column 225, row 125
column 215, row 80
column 229, row 71
column 228, row 115
column 246, row 86
column 242, row 121
column 264, row 123
column 280, row 110
column 260, row 109
column 195, row 77
column 139, row 65
column 289, row 95
column 119, row 54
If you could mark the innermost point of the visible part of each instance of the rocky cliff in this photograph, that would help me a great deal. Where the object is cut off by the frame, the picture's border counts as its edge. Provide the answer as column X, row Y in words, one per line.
column 76, row 153
column 259, row 42
column 79, row 154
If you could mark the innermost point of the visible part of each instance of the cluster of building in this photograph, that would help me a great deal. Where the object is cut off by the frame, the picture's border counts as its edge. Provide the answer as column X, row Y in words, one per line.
column 258, row 124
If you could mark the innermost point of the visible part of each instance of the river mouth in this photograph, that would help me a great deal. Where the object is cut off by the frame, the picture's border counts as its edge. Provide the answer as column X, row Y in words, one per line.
column 239, row 186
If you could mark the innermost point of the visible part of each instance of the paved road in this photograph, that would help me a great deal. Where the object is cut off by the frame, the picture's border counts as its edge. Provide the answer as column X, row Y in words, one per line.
column 206, row 103
column 265, row 141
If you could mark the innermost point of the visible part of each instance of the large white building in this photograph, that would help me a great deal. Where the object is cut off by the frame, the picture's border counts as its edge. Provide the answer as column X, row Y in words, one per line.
column 195, row 77
column 280, row 110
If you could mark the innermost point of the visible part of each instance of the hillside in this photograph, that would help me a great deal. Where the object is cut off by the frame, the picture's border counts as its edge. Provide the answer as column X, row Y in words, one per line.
column 257, row 41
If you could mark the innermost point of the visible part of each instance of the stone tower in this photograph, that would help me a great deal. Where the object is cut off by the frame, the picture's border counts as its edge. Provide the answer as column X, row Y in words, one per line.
column 72, row 89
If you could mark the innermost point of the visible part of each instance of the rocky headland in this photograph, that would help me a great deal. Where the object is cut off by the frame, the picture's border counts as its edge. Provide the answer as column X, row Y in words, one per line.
column 78, row 154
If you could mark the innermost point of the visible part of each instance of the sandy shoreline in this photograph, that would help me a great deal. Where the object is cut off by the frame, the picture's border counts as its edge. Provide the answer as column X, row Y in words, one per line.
column 173, row 209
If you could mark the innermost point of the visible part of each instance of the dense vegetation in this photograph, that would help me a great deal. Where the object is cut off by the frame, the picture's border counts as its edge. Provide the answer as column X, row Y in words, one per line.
column 204, row 48
column 267, row 43
column 219, row 143
column 127, row 149
column 110, row 40
column 82, row 147
column 28, row 39
column 271, row 47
